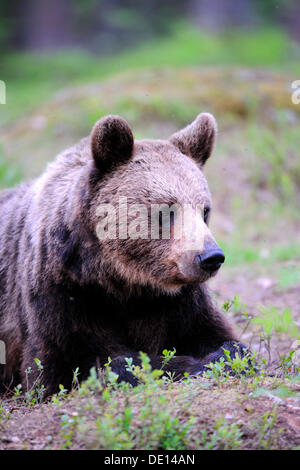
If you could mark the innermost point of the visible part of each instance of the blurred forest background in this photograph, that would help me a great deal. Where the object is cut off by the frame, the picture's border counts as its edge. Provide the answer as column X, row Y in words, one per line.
column 45, row 46
column 108, row 26
column 158, row 64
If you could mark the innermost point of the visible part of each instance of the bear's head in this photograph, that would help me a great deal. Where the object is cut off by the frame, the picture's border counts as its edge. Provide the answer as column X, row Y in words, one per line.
column 152, row 204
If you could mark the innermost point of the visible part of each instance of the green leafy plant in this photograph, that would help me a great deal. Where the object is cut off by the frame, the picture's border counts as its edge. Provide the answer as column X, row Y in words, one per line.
column 224, row 436
column 273, row 320
column 266, row 429
column 4, row 413
column 238, row 366
column 33, row 394
column 147, row 403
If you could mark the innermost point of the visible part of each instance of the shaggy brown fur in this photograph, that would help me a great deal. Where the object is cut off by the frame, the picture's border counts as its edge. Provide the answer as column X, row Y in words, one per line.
column 70, row 299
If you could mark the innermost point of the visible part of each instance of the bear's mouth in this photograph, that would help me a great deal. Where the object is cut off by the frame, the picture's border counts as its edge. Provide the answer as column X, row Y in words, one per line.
column 182, row 280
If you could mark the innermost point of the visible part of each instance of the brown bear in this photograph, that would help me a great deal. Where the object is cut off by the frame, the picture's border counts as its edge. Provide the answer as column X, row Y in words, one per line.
column 73, row 298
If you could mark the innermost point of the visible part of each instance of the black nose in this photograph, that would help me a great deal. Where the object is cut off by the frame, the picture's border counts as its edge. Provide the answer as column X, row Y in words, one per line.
column 211, row 260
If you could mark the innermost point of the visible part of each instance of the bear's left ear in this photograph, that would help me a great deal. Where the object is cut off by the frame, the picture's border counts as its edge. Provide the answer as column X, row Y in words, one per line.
column 112, row 142
column 198, row 138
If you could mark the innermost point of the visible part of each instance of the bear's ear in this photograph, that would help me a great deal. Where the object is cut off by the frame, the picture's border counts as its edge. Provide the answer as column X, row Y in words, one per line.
column 112, row 142
column 198, row 138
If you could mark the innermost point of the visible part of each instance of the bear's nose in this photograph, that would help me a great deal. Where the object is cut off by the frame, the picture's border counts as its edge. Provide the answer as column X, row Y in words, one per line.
column 211, row 260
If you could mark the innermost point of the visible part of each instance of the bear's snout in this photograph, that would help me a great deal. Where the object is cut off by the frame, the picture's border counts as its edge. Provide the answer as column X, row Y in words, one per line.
column 210, row 260
column 199, row 266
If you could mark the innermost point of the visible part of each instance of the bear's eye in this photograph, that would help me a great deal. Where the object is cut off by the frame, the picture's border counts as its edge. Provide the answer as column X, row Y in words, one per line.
column 206, row 214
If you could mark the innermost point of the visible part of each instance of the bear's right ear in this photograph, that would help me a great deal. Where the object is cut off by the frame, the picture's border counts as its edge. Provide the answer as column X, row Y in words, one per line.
column 112, row 142
column 198, row 138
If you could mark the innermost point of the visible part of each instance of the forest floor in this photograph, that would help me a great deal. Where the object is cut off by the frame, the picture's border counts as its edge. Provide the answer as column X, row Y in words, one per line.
column 254, row 178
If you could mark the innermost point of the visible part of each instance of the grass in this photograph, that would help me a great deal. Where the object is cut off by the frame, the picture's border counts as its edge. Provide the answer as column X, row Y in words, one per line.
column 213, row 412
column 237, row 254
column 32, row 78
column 277, row 166
column 289, row 276
column 273, row 320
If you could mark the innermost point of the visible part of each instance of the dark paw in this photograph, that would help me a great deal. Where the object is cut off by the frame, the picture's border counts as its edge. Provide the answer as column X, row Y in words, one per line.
column 119, row 366
column 228, row 352
column 235, row 347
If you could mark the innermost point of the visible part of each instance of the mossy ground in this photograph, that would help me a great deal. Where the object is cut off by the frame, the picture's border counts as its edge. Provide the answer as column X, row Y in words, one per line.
column 198, row 414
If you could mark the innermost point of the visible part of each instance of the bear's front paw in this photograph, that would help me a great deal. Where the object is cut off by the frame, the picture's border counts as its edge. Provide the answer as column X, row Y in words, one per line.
column 232, row 351
column 228, row 354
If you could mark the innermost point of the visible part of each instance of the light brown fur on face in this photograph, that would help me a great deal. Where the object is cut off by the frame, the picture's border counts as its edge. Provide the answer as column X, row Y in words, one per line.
column 159, row 173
